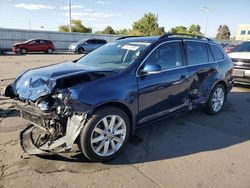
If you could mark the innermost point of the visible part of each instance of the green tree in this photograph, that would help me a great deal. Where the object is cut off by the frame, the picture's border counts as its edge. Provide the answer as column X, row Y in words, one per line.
column 147, row 25
column 179, row 29
column 76, row 26
column 122, row 32
column 223, row 32
column 108, row 30
column 195, row 29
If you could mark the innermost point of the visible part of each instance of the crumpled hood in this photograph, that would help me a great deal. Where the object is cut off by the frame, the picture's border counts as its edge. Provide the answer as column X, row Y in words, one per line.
column 38, row 82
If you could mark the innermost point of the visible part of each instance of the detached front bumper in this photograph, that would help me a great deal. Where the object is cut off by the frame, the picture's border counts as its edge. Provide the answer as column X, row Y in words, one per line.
column 32, row 114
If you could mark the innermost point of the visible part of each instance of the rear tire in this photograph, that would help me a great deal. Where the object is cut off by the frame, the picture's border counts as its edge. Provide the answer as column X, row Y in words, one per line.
column 80, row 50
column 216, row 100
column 49, row 51
column 105, row 134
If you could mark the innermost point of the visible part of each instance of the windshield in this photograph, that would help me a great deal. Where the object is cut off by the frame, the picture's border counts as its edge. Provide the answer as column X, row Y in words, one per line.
column 244, row 47
column 115, row 56
column 81, row 41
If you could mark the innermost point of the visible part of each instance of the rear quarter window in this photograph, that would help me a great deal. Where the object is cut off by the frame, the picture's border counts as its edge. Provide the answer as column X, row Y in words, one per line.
column 218, row 55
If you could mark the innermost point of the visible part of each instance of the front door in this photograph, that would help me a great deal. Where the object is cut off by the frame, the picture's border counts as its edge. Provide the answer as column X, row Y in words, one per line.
column 164, row 92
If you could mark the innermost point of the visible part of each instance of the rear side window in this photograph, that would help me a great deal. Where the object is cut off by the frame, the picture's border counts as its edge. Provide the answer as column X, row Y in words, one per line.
column 43, row 41
column 196, row 53
column 90, row 41
column 218, row 55
column 103, row 42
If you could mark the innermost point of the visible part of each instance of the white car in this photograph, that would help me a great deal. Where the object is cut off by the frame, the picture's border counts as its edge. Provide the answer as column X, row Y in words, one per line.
column 241, row 60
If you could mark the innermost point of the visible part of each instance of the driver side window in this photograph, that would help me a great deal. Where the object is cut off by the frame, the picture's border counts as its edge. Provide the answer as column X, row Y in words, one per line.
column 167, row 55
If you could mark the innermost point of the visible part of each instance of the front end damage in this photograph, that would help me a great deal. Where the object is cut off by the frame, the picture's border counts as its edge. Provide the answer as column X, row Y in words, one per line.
column 54, row 115
column 53, row 127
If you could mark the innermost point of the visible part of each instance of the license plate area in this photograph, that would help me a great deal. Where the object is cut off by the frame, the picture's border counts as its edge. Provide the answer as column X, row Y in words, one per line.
column 239, row 73
column 36, row 120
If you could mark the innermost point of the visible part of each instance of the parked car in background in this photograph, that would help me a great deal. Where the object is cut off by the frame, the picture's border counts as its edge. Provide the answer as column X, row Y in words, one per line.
column 229, row 48
column 241, row 59
column 3, row 51
column 86, row 45
column 34, row 45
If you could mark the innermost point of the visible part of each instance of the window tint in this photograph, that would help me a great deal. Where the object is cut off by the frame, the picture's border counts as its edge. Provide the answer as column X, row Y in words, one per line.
column 167, row 55
column 248, row 32
column 43, row 41
column 218, row 55
column 32, row 42
column 196, row 53
column 102, row 42
column 90, row 41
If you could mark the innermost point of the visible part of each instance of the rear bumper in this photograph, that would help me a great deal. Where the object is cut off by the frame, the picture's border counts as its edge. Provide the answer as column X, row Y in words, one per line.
column 242, row 76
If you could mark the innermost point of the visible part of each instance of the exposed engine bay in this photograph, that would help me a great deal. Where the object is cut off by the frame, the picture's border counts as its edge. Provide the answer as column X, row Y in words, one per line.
column 47, row 104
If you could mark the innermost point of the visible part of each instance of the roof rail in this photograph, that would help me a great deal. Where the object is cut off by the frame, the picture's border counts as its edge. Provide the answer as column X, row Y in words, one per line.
column 184, row 34
column 120, row 38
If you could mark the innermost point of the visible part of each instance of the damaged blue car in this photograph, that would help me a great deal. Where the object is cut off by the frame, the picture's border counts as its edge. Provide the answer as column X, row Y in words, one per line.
column 99, row 100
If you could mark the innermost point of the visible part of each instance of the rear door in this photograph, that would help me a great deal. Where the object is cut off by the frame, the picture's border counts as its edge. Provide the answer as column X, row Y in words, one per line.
column 202, row 70
column 90, row 45
column 44, row 45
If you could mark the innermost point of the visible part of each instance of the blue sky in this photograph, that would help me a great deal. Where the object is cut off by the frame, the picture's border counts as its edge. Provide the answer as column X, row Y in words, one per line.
column 121, row 14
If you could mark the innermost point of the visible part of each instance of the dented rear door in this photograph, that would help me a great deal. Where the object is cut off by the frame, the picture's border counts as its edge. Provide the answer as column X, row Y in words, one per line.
column 202, row 70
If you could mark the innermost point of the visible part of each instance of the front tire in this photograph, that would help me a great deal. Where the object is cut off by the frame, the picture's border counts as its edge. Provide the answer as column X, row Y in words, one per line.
column 23, row 51
column 105, row 134
column 216, row 100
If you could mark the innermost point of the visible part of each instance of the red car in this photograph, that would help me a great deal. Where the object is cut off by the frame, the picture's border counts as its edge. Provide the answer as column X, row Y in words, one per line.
column 34, row 45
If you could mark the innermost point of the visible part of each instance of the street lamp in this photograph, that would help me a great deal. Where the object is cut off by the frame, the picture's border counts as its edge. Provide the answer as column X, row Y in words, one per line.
column 206, row 10
column 69, row 15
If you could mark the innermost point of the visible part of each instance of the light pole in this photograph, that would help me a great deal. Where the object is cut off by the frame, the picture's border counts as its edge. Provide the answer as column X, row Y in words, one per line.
column 206, row 10
column 69, row 15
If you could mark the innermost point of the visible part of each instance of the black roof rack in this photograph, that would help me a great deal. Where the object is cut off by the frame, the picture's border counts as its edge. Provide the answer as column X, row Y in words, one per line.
column 184, row 34
column 120, row 38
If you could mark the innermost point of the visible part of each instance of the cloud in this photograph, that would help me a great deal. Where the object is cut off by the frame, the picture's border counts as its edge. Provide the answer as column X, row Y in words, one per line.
column 89, row 15
column 33, row 6
column 102, row 2
column 72, row 7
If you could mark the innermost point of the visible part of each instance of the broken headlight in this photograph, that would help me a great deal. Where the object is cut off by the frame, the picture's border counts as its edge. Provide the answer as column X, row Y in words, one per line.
column 61, row 94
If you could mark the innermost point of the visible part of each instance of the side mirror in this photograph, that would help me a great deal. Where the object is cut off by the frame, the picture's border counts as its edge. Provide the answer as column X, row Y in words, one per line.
column 151, row 69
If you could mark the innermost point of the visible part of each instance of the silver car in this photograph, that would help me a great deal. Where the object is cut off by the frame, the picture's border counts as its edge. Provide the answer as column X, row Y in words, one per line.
column 86, row 45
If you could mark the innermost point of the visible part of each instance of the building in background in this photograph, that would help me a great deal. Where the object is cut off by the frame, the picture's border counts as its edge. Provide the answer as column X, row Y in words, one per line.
column 243, row 32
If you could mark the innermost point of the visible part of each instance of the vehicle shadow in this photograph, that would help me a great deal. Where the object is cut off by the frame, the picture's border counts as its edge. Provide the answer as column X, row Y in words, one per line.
column 189, row 134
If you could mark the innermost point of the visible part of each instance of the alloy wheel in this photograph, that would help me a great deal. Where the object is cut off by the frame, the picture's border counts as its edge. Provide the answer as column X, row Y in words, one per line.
column 108, row 135
column 218, row 99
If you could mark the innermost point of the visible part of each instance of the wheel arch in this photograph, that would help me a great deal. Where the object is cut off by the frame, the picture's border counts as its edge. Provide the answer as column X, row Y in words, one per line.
column 222, row 82
column 124, row 108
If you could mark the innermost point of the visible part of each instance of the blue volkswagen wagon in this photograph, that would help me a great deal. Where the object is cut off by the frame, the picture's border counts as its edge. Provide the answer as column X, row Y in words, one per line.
column 100, row 99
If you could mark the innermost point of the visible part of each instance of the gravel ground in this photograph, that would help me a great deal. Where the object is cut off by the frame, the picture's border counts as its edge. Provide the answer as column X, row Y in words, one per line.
column 194, row 150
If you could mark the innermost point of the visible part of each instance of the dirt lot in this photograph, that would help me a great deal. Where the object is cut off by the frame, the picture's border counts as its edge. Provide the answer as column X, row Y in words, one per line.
column 195, row 150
